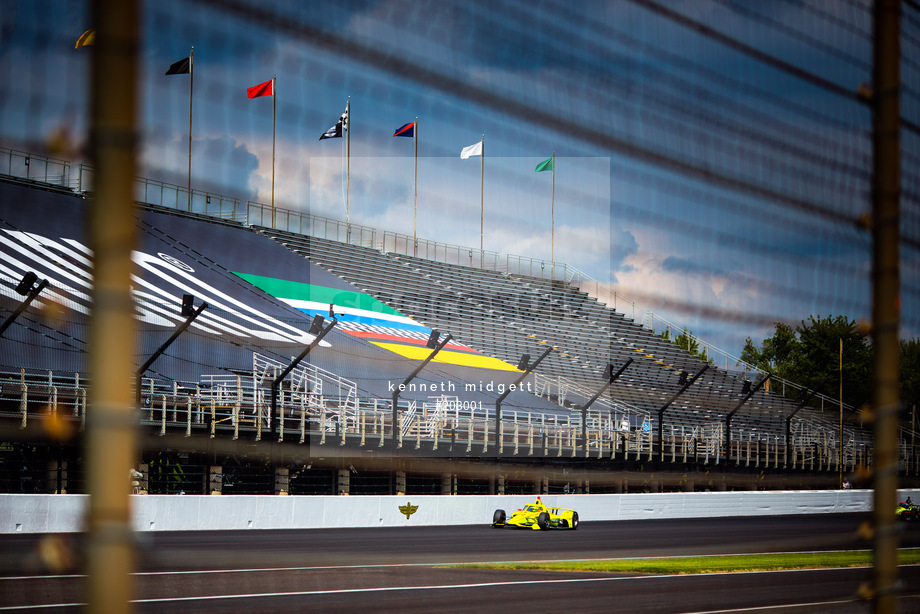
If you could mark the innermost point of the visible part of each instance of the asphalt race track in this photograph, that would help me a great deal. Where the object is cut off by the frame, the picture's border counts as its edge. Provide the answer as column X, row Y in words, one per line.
column 400, row 569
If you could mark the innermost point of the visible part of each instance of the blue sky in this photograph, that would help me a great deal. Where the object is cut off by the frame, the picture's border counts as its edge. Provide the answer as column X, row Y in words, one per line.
column 612, row 91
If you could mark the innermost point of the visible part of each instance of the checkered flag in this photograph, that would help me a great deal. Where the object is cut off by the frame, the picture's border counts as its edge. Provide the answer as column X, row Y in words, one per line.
column 338, row 129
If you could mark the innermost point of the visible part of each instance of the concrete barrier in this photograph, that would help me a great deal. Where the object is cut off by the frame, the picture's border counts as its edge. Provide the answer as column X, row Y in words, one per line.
column 64, row 513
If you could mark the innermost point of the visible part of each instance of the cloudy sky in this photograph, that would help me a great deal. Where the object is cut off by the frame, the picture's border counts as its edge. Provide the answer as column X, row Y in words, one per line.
column 711, row 161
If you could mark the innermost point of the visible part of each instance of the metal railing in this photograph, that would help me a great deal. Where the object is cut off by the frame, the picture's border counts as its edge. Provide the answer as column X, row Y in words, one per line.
column 34, row 167
column 535, row 267
column 79, row 178
column 229, row 407
column 440, row 252
column 259, row 214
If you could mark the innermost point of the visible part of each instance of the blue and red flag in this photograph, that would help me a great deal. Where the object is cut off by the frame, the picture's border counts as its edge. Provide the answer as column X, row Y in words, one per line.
column 407, row 130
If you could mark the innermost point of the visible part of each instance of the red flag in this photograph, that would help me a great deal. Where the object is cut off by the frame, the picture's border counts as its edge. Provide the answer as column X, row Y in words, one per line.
column 263, row 89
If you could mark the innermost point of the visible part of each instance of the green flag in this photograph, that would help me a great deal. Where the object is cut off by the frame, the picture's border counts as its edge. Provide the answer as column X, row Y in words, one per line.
column 546, row 165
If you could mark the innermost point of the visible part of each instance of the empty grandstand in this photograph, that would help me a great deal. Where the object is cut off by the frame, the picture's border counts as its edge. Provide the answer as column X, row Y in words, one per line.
column 584, row 390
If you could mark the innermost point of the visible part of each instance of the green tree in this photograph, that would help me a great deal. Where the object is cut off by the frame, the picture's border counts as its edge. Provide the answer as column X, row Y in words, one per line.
column 820, row 359
column 777, row 353
column 685, row 341
column 688, row 343
column 809, row 354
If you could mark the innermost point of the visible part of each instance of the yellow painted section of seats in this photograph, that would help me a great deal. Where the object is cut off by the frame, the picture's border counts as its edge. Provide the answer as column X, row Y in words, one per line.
column 447, row 357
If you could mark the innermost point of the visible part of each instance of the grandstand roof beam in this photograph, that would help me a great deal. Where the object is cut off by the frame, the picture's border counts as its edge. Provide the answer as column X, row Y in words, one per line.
column 319, row 331
column 436, row 347
column 807, row 395
column 611, row 377
column 528, row 369
column 190, row 316
column 728, row 417
column 668, row 404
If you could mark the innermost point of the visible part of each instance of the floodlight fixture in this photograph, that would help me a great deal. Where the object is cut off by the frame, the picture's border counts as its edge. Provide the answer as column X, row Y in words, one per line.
column 188, row 305
column 27, row 288
column 608, row 371
column 683, row 378
column 27, row 284
column 522, row 364
column 433, row 339
column 317, row 324
column 746, row 386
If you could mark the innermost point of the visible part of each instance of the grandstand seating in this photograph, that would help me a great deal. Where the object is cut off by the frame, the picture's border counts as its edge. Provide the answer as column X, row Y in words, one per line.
column 509, row 315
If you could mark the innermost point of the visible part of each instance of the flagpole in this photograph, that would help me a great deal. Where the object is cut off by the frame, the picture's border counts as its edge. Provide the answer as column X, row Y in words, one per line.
column 191, row 78
column 552, row 235
column 482, row 174
column 347, row 167
column 274, row 99
column 415, row 215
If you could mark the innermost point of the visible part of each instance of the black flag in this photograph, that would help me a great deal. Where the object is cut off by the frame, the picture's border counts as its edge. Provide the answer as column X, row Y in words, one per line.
column 182, row 67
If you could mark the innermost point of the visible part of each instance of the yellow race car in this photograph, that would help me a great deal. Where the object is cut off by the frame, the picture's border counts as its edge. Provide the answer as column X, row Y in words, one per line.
column 536, row 516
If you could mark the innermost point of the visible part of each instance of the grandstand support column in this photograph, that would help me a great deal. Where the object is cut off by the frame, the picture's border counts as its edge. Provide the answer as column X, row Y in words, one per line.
column 446, row 484
column 282, row 480
column 111, row 424
column 528, row 369
column 664, row 407
column 57, row 477
column 436, row 347
column 886, row 301
column 215, row 479
column 728, row 417
column 611, row 377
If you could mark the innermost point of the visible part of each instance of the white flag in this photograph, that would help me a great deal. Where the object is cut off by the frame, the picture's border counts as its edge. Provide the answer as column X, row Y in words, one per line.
column 472, row 150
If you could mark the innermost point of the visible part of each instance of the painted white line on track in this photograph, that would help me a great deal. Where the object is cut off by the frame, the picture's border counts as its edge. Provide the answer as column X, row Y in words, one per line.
column 22, row 608
column 474, row 586
column 790, row 606
column 51, row 577
column 389, row 589
column 811, row 604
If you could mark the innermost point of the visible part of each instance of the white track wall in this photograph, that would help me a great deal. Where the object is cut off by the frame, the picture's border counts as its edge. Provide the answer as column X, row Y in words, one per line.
column 64, row 513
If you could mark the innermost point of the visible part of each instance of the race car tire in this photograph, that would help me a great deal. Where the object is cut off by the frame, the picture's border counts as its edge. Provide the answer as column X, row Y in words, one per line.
column 574, row 520
column 543, row 521
column 498, row 519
